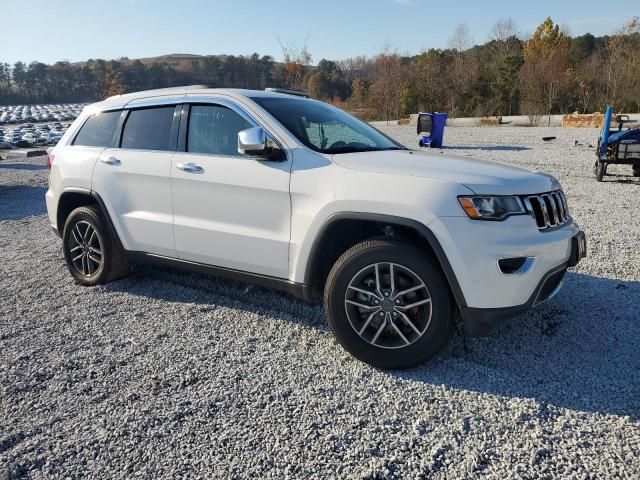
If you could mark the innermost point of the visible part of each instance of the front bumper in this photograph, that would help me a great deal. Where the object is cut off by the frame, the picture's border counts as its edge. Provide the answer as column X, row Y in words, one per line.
column 489, row 294
column 474, row 247
column 479, row 321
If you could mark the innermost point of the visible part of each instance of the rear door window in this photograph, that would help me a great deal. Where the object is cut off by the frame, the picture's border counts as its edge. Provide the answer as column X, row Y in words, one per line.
column 98, row 130
column 148, row 129
column 213, row 130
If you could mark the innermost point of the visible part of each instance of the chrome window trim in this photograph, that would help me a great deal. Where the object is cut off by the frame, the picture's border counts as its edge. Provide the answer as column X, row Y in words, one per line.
column 143, row 150
column 157, row 101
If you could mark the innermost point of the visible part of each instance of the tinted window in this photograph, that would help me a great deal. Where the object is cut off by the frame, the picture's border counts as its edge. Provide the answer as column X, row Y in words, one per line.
column 214, row 130
column 98, row 130
column 148, row 129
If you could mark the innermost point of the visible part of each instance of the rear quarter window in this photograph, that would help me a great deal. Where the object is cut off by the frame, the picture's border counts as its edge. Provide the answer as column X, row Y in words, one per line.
column 98, row 130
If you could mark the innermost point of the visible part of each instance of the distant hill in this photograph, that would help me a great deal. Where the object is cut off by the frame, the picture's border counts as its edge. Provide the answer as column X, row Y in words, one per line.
column 181, row 61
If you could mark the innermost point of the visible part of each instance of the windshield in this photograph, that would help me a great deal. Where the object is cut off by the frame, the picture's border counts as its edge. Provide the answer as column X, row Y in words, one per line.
column 325, row 128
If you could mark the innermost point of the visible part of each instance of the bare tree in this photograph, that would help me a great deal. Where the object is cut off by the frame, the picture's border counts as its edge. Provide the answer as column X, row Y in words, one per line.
column 504, row 36
column 390, row 81
column 361, row 67
column 295, row 58
column 463, row 69
column 460, row 40
column 624, row 67
column 431, row 80
column 503, row 30
column 591, row 84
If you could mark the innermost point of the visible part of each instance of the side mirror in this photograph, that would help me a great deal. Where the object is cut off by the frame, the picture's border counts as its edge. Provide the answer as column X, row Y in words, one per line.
column 254, row 142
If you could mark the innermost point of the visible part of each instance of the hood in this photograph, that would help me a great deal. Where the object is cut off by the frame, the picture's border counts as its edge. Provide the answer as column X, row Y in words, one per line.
column 483, row 177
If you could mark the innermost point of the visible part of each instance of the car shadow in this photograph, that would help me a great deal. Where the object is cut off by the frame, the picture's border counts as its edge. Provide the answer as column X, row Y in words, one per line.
column 21, row 166
column 621, row 178
column 20, row 201
column 207, row 290
column 574, row 352
column 580, row 351
column 489, row 148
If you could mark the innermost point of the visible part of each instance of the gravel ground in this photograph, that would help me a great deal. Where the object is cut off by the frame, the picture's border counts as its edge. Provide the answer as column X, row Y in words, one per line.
column 174, row 375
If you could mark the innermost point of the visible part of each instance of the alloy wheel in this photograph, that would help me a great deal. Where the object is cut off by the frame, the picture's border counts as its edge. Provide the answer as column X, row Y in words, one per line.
column 85, row 248
column 388, row 305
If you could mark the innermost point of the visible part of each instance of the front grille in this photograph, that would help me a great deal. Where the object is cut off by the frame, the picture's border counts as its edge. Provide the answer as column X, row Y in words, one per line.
column 549, row 210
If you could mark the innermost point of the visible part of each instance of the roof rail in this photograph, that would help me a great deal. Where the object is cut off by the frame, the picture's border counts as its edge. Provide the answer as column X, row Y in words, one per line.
column 297, row 93
column 161, row 90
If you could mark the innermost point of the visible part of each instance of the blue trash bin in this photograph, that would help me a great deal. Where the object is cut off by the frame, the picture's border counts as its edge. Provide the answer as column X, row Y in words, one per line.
column 431, row 129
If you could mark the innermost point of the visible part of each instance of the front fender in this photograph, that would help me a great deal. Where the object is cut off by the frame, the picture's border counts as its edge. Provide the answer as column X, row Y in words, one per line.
column 423, row 231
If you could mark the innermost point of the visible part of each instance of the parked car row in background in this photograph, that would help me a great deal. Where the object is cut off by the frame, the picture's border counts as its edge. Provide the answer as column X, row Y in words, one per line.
column 30, row 135
column 39, row 113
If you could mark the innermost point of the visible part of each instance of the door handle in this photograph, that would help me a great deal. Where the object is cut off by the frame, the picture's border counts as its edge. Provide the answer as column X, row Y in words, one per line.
column 190, row 167
column 110, row 161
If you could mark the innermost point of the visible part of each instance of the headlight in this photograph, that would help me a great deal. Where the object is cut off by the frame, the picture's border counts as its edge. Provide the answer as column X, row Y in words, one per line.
column 491, row 208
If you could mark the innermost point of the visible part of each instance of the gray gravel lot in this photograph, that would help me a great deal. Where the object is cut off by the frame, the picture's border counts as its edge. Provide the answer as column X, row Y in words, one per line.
column 175, row 375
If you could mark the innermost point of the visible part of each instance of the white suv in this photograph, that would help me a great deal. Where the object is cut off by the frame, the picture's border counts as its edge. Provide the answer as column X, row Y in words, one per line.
column 291, row 193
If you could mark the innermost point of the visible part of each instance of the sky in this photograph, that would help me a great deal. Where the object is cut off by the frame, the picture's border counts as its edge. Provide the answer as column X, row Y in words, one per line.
column 76, row 30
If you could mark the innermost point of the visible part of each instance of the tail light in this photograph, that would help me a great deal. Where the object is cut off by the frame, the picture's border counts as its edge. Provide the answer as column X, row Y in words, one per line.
column 50, row 158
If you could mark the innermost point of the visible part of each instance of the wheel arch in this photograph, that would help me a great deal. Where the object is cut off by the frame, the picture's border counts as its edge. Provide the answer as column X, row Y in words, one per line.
column 343, row 230
column 77, row 197
column 70, row 199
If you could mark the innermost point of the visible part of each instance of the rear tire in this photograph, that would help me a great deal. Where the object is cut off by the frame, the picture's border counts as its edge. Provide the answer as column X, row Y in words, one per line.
column 91, row 249
column 381, row 326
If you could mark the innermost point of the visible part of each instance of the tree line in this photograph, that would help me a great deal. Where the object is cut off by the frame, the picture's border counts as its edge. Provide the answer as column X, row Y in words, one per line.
column 549, row 72
column 93, row 80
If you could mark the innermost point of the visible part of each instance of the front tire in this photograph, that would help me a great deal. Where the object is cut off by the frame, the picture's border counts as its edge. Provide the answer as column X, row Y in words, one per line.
column 388, row 304
column 91, row 250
